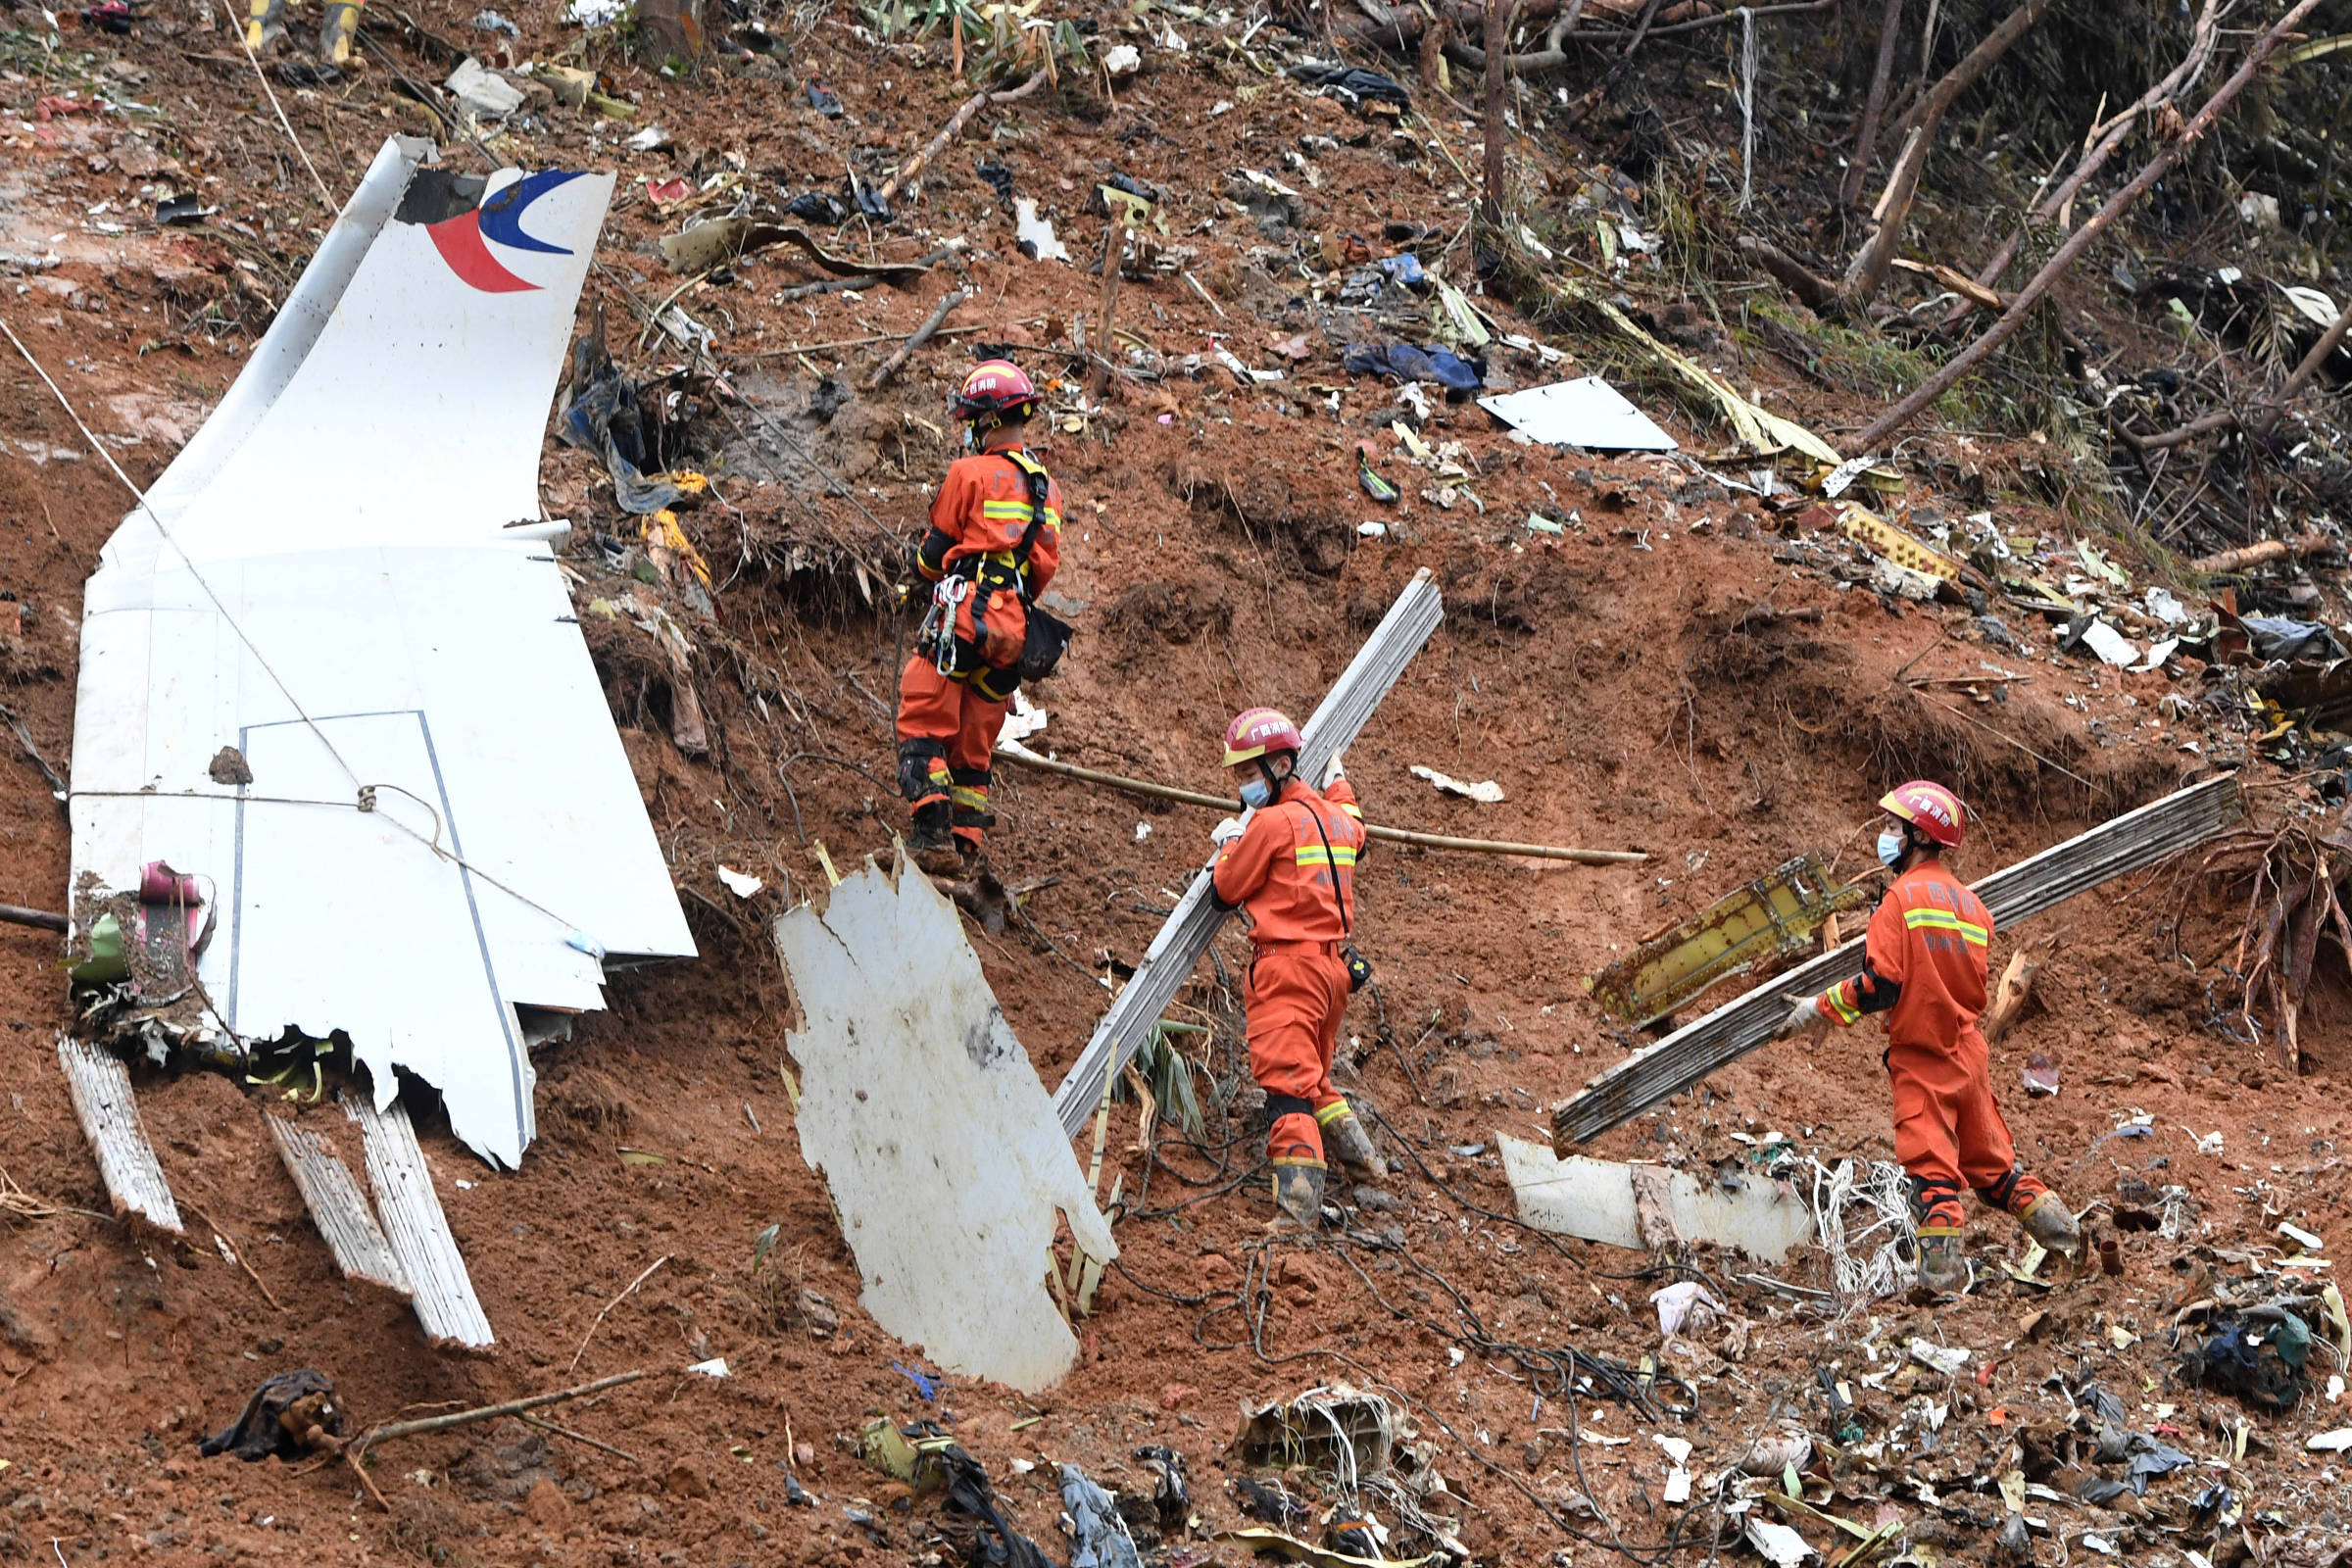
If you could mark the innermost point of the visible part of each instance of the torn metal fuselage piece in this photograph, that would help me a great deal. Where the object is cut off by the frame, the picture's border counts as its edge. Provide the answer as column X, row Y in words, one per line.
column 946, row 1165
column 1775, row 917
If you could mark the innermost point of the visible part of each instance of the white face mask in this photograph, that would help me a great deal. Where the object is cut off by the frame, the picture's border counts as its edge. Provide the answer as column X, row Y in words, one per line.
column 1890, row 847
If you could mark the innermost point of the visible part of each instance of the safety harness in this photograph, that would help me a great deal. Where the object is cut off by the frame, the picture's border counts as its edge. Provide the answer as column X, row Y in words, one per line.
column 980, row 578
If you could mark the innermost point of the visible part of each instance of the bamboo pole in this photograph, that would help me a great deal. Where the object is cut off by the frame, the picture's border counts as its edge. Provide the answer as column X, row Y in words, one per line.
column 1391, row 835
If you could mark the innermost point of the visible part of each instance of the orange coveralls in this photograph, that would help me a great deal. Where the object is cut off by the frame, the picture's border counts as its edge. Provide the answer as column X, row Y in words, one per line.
column 948, row 723
column 1925, row 969
column 1298, row 892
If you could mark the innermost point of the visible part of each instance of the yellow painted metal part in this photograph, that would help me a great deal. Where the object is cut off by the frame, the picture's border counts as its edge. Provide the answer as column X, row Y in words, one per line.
column 1877, row 534
column 1778, row 913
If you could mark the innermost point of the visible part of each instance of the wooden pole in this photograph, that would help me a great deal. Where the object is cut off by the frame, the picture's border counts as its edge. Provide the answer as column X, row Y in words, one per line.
column 1499, row 49
column 1391, row 835
column 2261, row 554
column 1967, row 360
column 921, row 335
column 41, row 918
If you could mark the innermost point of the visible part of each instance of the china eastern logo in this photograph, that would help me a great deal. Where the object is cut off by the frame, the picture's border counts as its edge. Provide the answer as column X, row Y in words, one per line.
column 464, row 240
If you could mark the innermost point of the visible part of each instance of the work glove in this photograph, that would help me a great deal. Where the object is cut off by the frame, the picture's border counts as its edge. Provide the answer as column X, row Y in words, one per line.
column 1803, row 1017
column 1334, row 768
column 1225, row 832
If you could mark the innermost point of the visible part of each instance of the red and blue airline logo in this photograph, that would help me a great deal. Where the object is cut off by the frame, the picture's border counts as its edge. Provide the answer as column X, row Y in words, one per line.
column 464, row 240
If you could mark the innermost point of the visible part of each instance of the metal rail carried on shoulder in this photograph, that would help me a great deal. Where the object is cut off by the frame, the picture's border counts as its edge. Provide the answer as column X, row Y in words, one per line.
column 1169, row 962
column 2130, row 842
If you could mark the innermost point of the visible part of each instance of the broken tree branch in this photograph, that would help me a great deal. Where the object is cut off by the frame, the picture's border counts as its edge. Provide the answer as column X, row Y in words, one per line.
column 1865, row 140
column 2329, row 342
column 14, row 914
column 1960, row 363
column 951, row 130
column 2263, row 554
column 921, row 335
column 610, row 1305
column 1392, row 835
column 1868, row 274
column 487, row 1412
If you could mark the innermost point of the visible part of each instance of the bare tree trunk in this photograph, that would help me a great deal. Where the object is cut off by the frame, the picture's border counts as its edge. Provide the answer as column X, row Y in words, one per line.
column 1498, row 52
column 1868, row 274
column 1850, row 190
column 1959, row 365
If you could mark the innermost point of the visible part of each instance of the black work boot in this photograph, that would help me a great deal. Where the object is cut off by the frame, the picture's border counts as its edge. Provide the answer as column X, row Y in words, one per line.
column 931, row 846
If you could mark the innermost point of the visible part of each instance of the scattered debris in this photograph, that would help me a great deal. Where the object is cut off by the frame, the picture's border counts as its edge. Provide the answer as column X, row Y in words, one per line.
column 110, row 1119
column 1340, row 1431
column 1035, row 234
column 1098, row 1537
column 1486, row 792
column 1776, row 917
column 1602, row 1201
column 290, row 1416
column 1587, row 413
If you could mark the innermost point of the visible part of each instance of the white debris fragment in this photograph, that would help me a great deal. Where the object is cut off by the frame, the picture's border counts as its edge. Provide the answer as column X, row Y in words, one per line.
column 594, row 13
column 2165, row 607
column 961, row 1164
column 1143, row 831
column 2112, row 645
column 1372, row 530
column 2301, row 1237
column 2337, row 1441
column 742, row 884
column 1679, row 1303
column 1021, row 721
column 650, row 139
column 482, row 92
column 1586, row 413
column 2157, row 653
column 1779, row 1545
column 1947, row 1359
column 716, row 1367
column 1487, row 791
column 1122, row 60
column 1035, row 233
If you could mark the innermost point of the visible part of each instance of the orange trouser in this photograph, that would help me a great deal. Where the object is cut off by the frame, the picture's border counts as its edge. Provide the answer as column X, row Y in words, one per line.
column 1948, row 1133
column 946, row 732
column 1297, row 993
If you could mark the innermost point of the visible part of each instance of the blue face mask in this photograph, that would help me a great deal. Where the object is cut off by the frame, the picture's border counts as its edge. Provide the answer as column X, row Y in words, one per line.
column 1257, row 792
column 1890, row 847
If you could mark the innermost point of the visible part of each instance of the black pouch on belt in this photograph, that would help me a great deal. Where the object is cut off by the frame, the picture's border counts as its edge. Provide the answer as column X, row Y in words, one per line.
column 1048, row 635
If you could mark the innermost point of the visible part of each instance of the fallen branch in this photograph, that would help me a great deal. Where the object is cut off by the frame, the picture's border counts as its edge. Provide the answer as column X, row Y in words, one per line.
column 578, row 1437
column 1868, row 274
column 2261, row 554
column 1391, row 835
column 848, row 343
column 916, row 339
column 2010, row 997
column 2329, row 341
column 2100, row 144
column 1960, row 363
column 487, row 1412
column 14, row 914
column 610, row 1305
column 951, row 130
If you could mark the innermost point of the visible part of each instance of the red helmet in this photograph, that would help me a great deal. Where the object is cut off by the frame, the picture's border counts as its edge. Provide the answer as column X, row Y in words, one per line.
column 994, row 391
column 1930, row 807
column 1257, row 731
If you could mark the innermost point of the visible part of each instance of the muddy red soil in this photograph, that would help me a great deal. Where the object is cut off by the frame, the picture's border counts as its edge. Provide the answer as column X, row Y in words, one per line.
column 1615, row 679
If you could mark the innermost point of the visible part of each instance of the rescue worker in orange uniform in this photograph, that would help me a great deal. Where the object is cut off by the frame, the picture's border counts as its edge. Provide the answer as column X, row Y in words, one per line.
column 1925, row 969
column 994, row 543
column 1290, row 867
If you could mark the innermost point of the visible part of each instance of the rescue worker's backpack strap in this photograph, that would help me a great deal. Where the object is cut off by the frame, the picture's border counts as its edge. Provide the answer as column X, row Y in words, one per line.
column 1038, row 485
column 1360, row 969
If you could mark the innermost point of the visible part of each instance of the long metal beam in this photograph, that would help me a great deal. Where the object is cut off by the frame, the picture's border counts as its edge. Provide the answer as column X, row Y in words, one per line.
column 1169, row 962
column 2130, row 842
